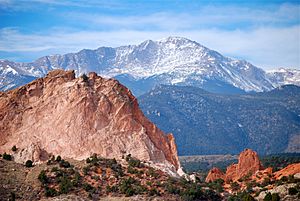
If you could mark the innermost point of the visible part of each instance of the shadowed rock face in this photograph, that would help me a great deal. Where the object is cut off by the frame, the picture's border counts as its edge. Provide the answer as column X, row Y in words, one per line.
column 214, row 174
column 74, row 118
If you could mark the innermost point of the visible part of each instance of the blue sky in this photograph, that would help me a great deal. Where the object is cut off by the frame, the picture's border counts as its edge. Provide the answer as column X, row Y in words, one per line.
column 266, row 33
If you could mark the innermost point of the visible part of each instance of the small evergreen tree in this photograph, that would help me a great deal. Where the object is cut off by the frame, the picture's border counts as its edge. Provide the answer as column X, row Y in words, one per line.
column 14, row 148
column 28, row 163
column 43, row 177
column 293, row 191
column 65, row 185
column 58, row 158
column 275, row 197
column 268, row 197
column 7, row 156
column 84, row 77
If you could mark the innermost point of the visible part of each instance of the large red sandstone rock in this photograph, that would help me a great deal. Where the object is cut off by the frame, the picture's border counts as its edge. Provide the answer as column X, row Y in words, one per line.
column 62, row 115
column 291, row 169
column 214, row 174
column 248, row 164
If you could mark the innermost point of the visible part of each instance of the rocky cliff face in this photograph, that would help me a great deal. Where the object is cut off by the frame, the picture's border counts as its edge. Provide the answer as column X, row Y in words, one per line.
column 74, row 118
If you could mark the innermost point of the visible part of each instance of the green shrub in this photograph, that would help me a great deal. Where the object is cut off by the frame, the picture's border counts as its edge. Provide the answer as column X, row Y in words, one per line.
column 77, row 179
column 86, row 170
column 50, row 192
column 293, row 191
column 284, row 179
column 28, row 163
column 111, row 189
column 151, row 172
column 241, row 196
column 211, row 195
column 217, row 185
column 291, row 179
column 248, row 197
column 131, row 170
column 58, row 158
column 128, row 157
column 234, row 186
column 129, row 192
column 87, row 187
column 43, row 177
column 64, row 164
column 275, row 197
column 117, row 168
column 7, row 157
column 130, row 186
column 65, row 185
column 192, row 192
column 268, row 197
column 14, row 148
column 12, row 196
column 172, row 189
column 153, row 191
column 54, row 169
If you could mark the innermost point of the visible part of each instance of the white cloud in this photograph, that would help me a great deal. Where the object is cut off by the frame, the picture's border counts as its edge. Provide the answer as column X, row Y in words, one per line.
column 264, row 47
column 204, row 17
column 266, row 36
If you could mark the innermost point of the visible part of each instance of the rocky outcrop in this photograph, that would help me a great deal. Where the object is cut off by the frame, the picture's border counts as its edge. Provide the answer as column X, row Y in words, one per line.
column 261, row 175
column 76, row 117
column 248, row 164
column 214, row 174
column 282, row 191
column 291, row 169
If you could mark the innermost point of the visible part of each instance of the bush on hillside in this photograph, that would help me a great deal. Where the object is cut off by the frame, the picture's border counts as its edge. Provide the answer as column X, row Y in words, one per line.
column 29, row 163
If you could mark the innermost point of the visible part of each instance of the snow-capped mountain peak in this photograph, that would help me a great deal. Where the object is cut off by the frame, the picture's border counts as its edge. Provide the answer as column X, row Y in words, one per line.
column 172, row 60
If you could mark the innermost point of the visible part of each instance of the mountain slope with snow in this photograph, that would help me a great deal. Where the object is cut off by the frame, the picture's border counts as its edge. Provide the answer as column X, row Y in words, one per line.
column 173, row 60
column 284, row 76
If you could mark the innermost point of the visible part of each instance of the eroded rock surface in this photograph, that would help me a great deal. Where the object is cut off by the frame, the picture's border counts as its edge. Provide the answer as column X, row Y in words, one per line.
column 75, row 117
column 214, row 174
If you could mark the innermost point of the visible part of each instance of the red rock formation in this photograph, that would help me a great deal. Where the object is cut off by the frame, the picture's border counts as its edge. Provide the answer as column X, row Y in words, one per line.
column 74, row 118
column 261, row 175
column 248, row 164
column 231, row 173
column 291, row 169
column 214, row 174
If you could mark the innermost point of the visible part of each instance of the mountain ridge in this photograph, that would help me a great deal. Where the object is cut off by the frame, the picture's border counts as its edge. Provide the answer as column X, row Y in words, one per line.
column 172, row 60
column 209, row 123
